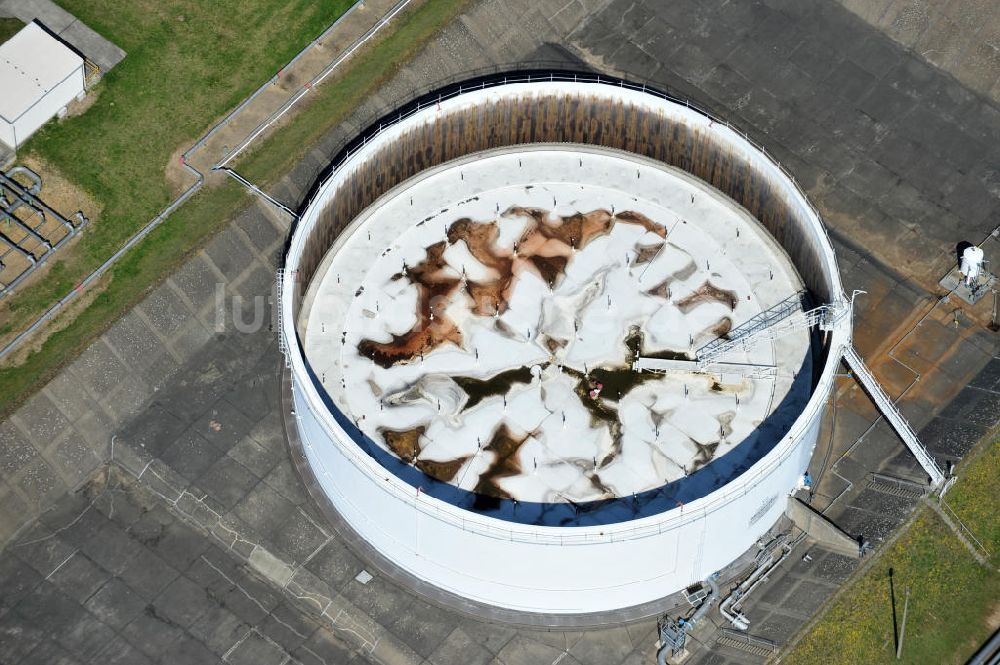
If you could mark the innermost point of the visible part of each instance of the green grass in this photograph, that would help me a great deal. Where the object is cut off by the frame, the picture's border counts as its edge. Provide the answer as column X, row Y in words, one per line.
column 8, row 28
column 195, row 222
column 951, row 595
column 162, row 251
column 188, row 63
column 330, row 104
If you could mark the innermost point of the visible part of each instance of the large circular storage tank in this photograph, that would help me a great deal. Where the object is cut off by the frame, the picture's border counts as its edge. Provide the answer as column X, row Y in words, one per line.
column 467, row 303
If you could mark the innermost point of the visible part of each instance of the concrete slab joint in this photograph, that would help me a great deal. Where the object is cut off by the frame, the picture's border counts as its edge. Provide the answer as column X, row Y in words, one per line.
column 189, row 538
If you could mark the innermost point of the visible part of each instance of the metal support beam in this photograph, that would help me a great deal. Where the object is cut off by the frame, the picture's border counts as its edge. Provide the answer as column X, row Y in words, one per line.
column 663, row 366
column 30, row 232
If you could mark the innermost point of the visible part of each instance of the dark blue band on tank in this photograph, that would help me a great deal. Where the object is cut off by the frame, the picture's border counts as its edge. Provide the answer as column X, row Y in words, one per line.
column 702, row 482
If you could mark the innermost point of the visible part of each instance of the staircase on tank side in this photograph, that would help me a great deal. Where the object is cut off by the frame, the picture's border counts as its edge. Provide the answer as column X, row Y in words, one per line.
column 788, row 316
column 892, row 414
column 782, row 319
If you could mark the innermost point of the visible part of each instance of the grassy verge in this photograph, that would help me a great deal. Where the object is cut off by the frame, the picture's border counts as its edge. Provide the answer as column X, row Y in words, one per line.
column 953, row 599
column 187, row 64
column 160, row 253
column 8, row 28
column 330, row 104
column 190, row 227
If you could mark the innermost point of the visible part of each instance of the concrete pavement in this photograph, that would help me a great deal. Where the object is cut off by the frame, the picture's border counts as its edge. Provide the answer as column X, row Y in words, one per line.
column 288, row 83
column 896, row 153
column 961, row 37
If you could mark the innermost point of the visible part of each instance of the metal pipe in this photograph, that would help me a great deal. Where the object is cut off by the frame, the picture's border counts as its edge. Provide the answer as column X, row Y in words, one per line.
column 662, row 654
column 666, row 649
column 188, row 193
column 759, row 575
column 706, row 605
column 17, row 248
column 317, row 80
column 31, row 175
column 256, row 190
column 267, row 85
column 146, row 230
column 10, row 287
column 31, row 200
column 27, row 229
column 986, row 653
column 22, row 197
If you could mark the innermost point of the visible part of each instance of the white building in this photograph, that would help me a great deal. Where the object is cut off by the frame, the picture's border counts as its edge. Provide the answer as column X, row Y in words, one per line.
column 39, row 76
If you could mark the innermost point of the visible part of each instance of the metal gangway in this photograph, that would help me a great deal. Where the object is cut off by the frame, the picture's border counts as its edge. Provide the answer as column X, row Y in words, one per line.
column 664, row 366
column 892, row 414
column 782, row 319
column 788, row 316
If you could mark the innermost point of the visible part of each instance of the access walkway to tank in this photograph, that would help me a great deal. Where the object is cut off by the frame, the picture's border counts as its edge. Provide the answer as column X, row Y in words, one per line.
column 166, row 384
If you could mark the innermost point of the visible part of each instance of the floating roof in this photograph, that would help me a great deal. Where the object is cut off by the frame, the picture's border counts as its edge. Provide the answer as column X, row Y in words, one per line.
column 32, row 63
column 551, row 270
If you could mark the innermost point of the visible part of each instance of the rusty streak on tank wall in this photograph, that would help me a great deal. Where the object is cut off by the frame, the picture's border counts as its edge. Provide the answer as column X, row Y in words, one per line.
column 568, row 118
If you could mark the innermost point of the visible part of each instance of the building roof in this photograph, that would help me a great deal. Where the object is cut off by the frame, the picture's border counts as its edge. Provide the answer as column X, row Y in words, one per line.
column 32, row 63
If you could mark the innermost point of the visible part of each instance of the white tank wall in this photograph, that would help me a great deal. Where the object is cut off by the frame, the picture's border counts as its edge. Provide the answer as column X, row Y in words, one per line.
column 549, row 569
column 545, row 569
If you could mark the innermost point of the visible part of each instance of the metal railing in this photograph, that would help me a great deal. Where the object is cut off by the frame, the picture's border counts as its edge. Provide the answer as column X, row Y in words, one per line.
column 892, row 415
column 745, row 642
column 135, row 239
column 755, row 329
column 279, row 297
column 268, row 84
column 900, row 487
column 508, row 530
column 782, row 319
column 968, row 533
column 254, row 189
column 495, row 77
column 748, row 370
column 316, row 80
